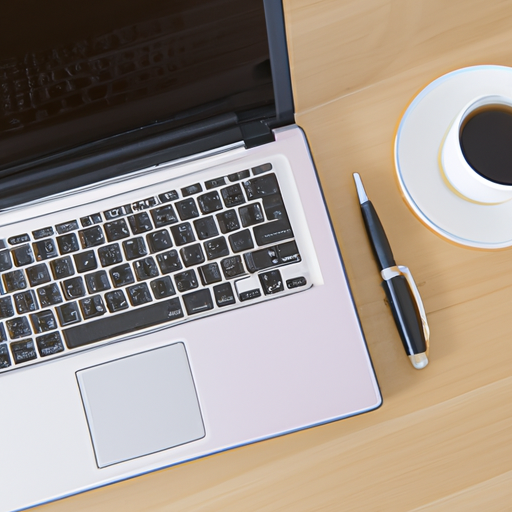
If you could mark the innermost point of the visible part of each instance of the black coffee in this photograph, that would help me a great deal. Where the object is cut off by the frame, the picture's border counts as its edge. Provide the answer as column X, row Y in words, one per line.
column 486, row 142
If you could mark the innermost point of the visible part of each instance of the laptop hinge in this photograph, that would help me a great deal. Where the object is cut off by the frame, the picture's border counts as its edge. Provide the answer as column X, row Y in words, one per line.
column 256, row 133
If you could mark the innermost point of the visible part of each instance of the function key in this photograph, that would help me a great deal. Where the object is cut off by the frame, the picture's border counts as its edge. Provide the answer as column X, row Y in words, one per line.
column 237, row 176
column 168, row 196
column 42, row 233
column 19, row 239
column 66, row 227
column 217, row 182
column 191, row 189
column 119, row 211
column 260, row 169
column 144, row 204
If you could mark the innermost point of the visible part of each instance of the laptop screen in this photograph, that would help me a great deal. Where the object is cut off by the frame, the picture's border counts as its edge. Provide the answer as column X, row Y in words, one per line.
column 75, row 72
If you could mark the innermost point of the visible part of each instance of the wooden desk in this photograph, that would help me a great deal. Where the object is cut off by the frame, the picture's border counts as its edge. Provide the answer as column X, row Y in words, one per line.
column 443, row 438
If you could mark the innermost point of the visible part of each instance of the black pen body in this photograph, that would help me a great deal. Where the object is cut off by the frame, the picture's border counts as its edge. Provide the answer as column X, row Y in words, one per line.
column 406, row 314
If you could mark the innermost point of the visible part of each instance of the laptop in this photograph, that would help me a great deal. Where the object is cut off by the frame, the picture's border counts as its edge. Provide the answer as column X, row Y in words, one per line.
column 170, row 285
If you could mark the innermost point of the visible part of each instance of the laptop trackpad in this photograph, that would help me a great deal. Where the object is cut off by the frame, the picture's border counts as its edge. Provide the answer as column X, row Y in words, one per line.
column 140, row 404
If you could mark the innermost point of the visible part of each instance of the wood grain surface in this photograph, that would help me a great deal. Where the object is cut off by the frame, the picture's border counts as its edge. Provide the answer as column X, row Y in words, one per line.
column 442, row 441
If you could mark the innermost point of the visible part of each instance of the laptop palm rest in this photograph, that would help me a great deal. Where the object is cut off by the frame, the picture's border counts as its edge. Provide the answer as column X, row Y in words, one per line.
column 140, row 404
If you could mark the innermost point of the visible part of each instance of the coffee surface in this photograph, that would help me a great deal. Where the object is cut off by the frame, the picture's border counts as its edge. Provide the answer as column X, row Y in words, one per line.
column 486, row 142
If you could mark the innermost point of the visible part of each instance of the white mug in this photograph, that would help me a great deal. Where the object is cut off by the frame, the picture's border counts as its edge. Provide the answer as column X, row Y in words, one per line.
column 458, row 172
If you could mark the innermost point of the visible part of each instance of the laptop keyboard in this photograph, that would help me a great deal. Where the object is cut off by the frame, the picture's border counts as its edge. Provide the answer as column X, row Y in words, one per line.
column 207, row 247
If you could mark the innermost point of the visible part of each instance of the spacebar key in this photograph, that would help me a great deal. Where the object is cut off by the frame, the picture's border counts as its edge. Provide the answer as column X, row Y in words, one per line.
column 123, row 323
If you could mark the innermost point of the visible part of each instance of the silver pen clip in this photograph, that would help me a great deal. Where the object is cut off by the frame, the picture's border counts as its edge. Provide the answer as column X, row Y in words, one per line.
column 400, row 270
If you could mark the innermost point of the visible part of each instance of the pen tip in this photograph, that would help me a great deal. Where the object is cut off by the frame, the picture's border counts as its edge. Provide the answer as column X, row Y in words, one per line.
column 419, row 361
column 361, row 192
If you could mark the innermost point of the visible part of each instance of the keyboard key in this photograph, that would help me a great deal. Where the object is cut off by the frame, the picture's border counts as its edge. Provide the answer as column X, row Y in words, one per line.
column 68, row 243
column 205, row 228
column 44, row 249
column 164, row 215
column 144, row 204
column 91, row 237
column 168, row 196
column 210, row 273
column 272, row 232
column 18, row 327
column 117, row 230
column 23, row 255
column 85, row 261
column 14, row 281
column 232, row 267
column 110, row 255
column 145, row 269
column 192, row 255
column 296, row 282
column 49, row 344
column 123, row 323
column 140, row 223
column 228, row 221
column 122, row 275
column 38, row 274
column 197, row 302
column 233, row 195
column 49, row 295
column 42, row 233
column 66, row 227
column 19, row 239
column 119, row 211
column 5, row 360
column 271, row 282
column 23, row 351
column 97, row 281
column 241, row 241
column 288, row 253
column 191, row 189
column 139, row 294
column 274, row 207
column 135, row 248
column 6, row 307
column 237, row 176
column 5, row 261
column 261, row 187
column 187, row 209
column 183, row 234
column 159, row 240
column 116, row 301
column 62, row 267
column 162, row 287
column 43, row 321
column 73, row 288
column 210, row 202
column 68, row 313
column 3, row 335
column 250, row 294
column 224, row 295
column 260, row 169
column 92, row 307
column 259, row 260
column 186, row 280
column 217, row 182
column 251, row 214
column 169, row 262
column 216, row 248
column 25, row 302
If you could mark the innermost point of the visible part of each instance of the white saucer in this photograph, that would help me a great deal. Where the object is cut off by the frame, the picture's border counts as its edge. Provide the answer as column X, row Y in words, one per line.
column 417, row 145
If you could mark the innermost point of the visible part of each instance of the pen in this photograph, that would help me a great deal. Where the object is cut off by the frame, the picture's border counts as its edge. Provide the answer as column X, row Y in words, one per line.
column 401, row 291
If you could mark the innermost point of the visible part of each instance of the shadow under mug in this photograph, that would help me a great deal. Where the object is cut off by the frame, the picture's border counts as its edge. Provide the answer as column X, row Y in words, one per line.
column 476, row 154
